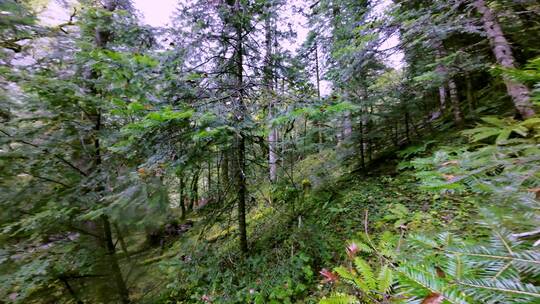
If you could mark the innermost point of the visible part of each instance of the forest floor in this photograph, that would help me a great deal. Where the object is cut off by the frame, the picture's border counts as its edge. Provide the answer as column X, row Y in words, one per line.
column 290, row 243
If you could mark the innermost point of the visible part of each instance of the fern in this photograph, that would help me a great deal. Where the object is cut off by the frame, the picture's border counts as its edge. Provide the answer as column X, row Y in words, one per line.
column 500, row 167
column 366, row 273
column 385, row 279
column 339, row 299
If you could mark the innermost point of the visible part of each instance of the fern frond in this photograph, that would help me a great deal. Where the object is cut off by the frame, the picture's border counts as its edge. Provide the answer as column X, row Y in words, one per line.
column 366, row 272
column 385, row 279
column 363, row 247
column 339, row 299
column 352, row 279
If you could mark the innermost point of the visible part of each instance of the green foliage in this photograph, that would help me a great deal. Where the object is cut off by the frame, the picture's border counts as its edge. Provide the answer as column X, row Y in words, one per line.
column 371, row 281
column 529, row 74
column 499, row 270
column 400, row 217
column 495, row 271
column 339, row 299
column 129, row 168
column 413, row 151
column 501, row 130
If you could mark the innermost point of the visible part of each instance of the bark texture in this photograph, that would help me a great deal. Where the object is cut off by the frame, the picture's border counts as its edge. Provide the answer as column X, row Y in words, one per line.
column 269, row 76
column 240, row 146
column 503, row 53
column 454, row 98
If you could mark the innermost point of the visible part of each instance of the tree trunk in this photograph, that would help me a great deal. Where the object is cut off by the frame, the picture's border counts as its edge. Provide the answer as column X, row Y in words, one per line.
column 471, row 99
column 442, row 71
column 362, row 143
column 209, row 177
column 240, row 162
column 407, row 128
column 442, row 98
column 503, row 53
column 194, row 190
column 396, row 135
column 454, row 98
column 102, row 37
column 123, row 244
column 347, row 125
column 113, row 261
column 225, row 172
column 70, row 290
column 318, row 79
column 182, row 198
column 272, row 136
column 317, row 75
column 369, row 147
column 242, row 191
column 272, row 155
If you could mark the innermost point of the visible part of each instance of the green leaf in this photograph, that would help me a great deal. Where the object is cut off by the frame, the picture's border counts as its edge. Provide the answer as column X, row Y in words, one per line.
column 366, row 272
column 339, row 299
column 503, row 136
column 494, row 121
column 385, row 279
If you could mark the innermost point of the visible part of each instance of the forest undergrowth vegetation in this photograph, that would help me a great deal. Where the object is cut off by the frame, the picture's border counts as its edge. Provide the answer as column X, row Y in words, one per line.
column 270, row 151
column 299, row 240
column 434, row 224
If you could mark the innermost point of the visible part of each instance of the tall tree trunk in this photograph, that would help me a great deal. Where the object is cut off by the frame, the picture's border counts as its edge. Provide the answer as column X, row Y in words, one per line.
column 452, row 87
column 396, row 135
column 240, row 162
column 362, row 142
column 347, row 125
column 268, row 78
column 182, row 198
column 362, row 153
column 194, row 190
column 102, row 37
column 272, row 154
column 407, row 128
column 209, row 176
column 454, row 98
column 122, row 241
column 70, row 290
column 471, row 99
column 317, row 75
column 442, row 99
column 318, row 79
column 369, row 142
column 225, row 172
column 442, row 71
column 503, row 53
column 113, row 261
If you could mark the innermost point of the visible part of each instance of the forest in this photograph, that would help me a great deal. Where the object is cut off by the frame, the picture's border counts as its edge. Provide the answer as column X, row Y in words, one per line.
column 270, row 151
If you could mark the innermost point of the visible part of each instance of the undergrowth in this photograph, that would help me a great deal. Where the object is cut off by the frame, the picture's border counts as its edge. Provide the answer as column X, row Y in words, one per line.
column 292, row 242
